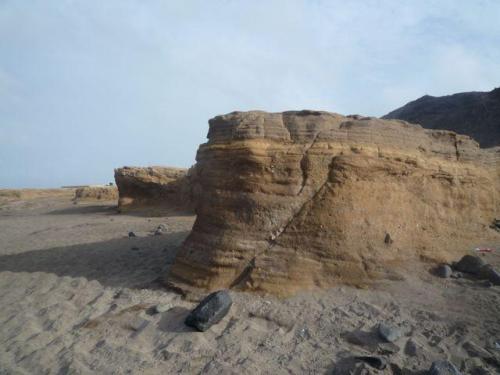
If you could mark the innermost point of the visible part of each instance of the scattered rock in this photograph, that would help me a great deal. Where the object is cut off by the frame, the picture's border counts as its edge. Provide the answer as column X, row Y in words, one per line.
column 388, row 240
column 475, row 350
column 210, row 311
column 162, row 227
column 457, row 275
column 138, row 325
column 470, row 264
column 444, row 271
column 379, row 363
column 162, row 307
column 489, row 273
column 443, row 368
column 389, row 332
column 396, row 369
column 131, row 234
column 411, row 348
column 158, row 232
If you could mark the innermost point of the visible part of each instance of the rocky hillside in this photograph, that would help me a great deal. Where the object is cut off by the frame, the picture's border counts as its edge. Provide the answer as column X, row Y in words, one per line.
column 476, row 114
column 303, row 200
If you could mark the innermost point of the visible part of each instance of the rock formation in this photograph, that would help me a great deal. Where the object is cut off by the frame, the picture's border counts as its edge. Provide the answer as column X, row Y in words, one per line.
column 476, row 114
column 154, row 187
column 301, row 200
column 105, row 193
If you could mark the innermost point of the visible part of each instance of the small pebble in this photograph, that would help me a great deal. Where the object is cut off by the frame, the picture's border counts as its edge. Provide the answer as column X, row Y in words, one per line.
column 131, row 234
column 388, row 240
column 443, row 368
column 411, row 348
column 444, row 271
column 389, row 332
column 162, row 307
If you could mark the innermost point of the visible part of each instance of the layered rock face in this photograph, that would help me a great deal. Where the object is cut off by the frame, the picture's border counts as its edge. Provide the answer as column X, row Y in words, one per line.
column 301, row 200
column 154, row 187
column 476, row 114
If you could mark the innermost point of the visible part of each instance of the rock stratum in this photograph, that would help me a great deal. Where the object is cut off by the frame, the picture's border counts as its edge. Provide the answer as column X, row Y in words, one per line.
column 305, row 200
column 476, row 114
column 156, row 188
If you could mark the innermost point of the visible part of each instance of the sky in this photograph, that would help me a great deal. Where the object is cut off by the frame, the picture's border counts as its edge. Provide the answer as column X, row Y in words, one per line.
column 87, row 86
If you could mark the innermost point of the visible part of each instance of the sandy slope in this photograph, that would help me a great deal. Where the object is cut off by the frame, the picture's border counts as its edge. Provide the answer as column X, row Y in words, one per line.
column 75, row 298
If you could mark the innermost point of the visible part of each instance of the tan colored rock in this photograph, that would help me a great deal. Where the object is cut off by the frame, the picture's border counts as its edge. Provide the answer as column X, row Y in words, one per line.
column 104, row 193
column 154, row 187
column 304, row 200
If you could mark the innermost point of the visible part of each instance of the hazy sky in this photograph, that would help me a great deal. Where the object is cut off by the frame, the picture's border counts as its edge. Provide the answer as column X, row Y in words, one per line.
column 87, row 86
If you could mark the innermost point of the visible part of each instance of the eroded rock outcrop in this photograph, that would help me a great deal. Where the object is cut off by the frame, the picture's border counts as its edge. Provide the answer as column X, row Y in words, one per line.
column 105, row 193
column 300, row 200
column 154, row 188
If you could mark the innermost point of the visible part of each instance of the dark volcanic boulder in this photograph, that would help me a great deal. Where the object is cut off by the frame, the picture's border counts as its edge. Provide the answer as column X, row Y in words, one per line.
column 470, row 264
column 210, row 311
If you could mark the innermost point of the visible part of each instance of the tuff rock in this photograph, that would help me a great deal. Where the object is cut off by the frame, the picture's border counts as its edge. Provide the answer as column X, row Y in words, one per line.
column 304, row 200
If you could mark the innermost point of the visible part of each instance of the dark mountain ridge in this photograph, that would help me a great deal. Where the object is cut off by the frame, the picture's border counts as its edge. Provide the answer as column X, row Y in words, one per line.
column 476, row 114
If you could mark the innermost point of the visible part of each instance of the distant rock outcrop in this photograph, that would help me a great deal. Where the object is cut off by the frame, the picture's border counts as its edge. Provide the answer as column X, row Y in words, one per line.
column 105, row 193
column 301, row 200
column 476, row 114
column 154, row 187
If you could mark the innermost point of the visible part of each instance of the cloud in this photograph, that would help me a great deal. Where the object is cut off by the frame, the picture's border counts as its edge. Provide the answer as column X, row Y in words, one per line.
column 92, row 85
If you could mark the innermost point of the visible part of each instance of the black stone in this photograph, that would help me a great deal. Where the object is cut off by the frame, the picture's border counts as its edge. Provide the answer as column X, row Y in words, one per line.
column 487, row 272
column 210, row 311
column 470, row 264
column 443, row 368
column 131, row 234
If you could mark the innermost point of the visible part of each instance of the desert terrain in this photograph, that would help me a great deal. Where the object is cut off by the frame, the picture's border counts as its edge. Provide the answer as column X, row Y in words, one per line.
column 79, row 296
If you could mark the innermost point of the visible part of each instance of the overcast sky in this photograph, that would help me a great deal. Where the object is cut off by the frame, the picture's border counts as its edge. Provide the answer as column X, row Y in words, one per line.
column 87, row 86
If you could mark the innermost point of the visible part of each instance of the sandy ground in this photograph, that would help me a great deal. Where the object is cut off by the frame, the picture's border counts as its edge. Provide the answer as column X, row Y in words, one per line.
column 76, row 296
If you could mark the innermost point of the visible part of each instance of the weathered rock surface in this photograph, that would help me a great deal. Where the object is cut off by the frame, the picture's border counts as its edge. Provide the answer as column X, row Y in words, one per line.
column 105, row 193
column 476, row 114
column 154, row 187
column 301, row 200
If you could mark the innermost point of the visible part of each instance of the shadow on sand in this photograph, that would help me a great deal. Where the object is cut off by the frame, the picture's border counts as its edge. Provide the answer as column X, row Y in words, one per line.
column 93, row 209
column 135, row 262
